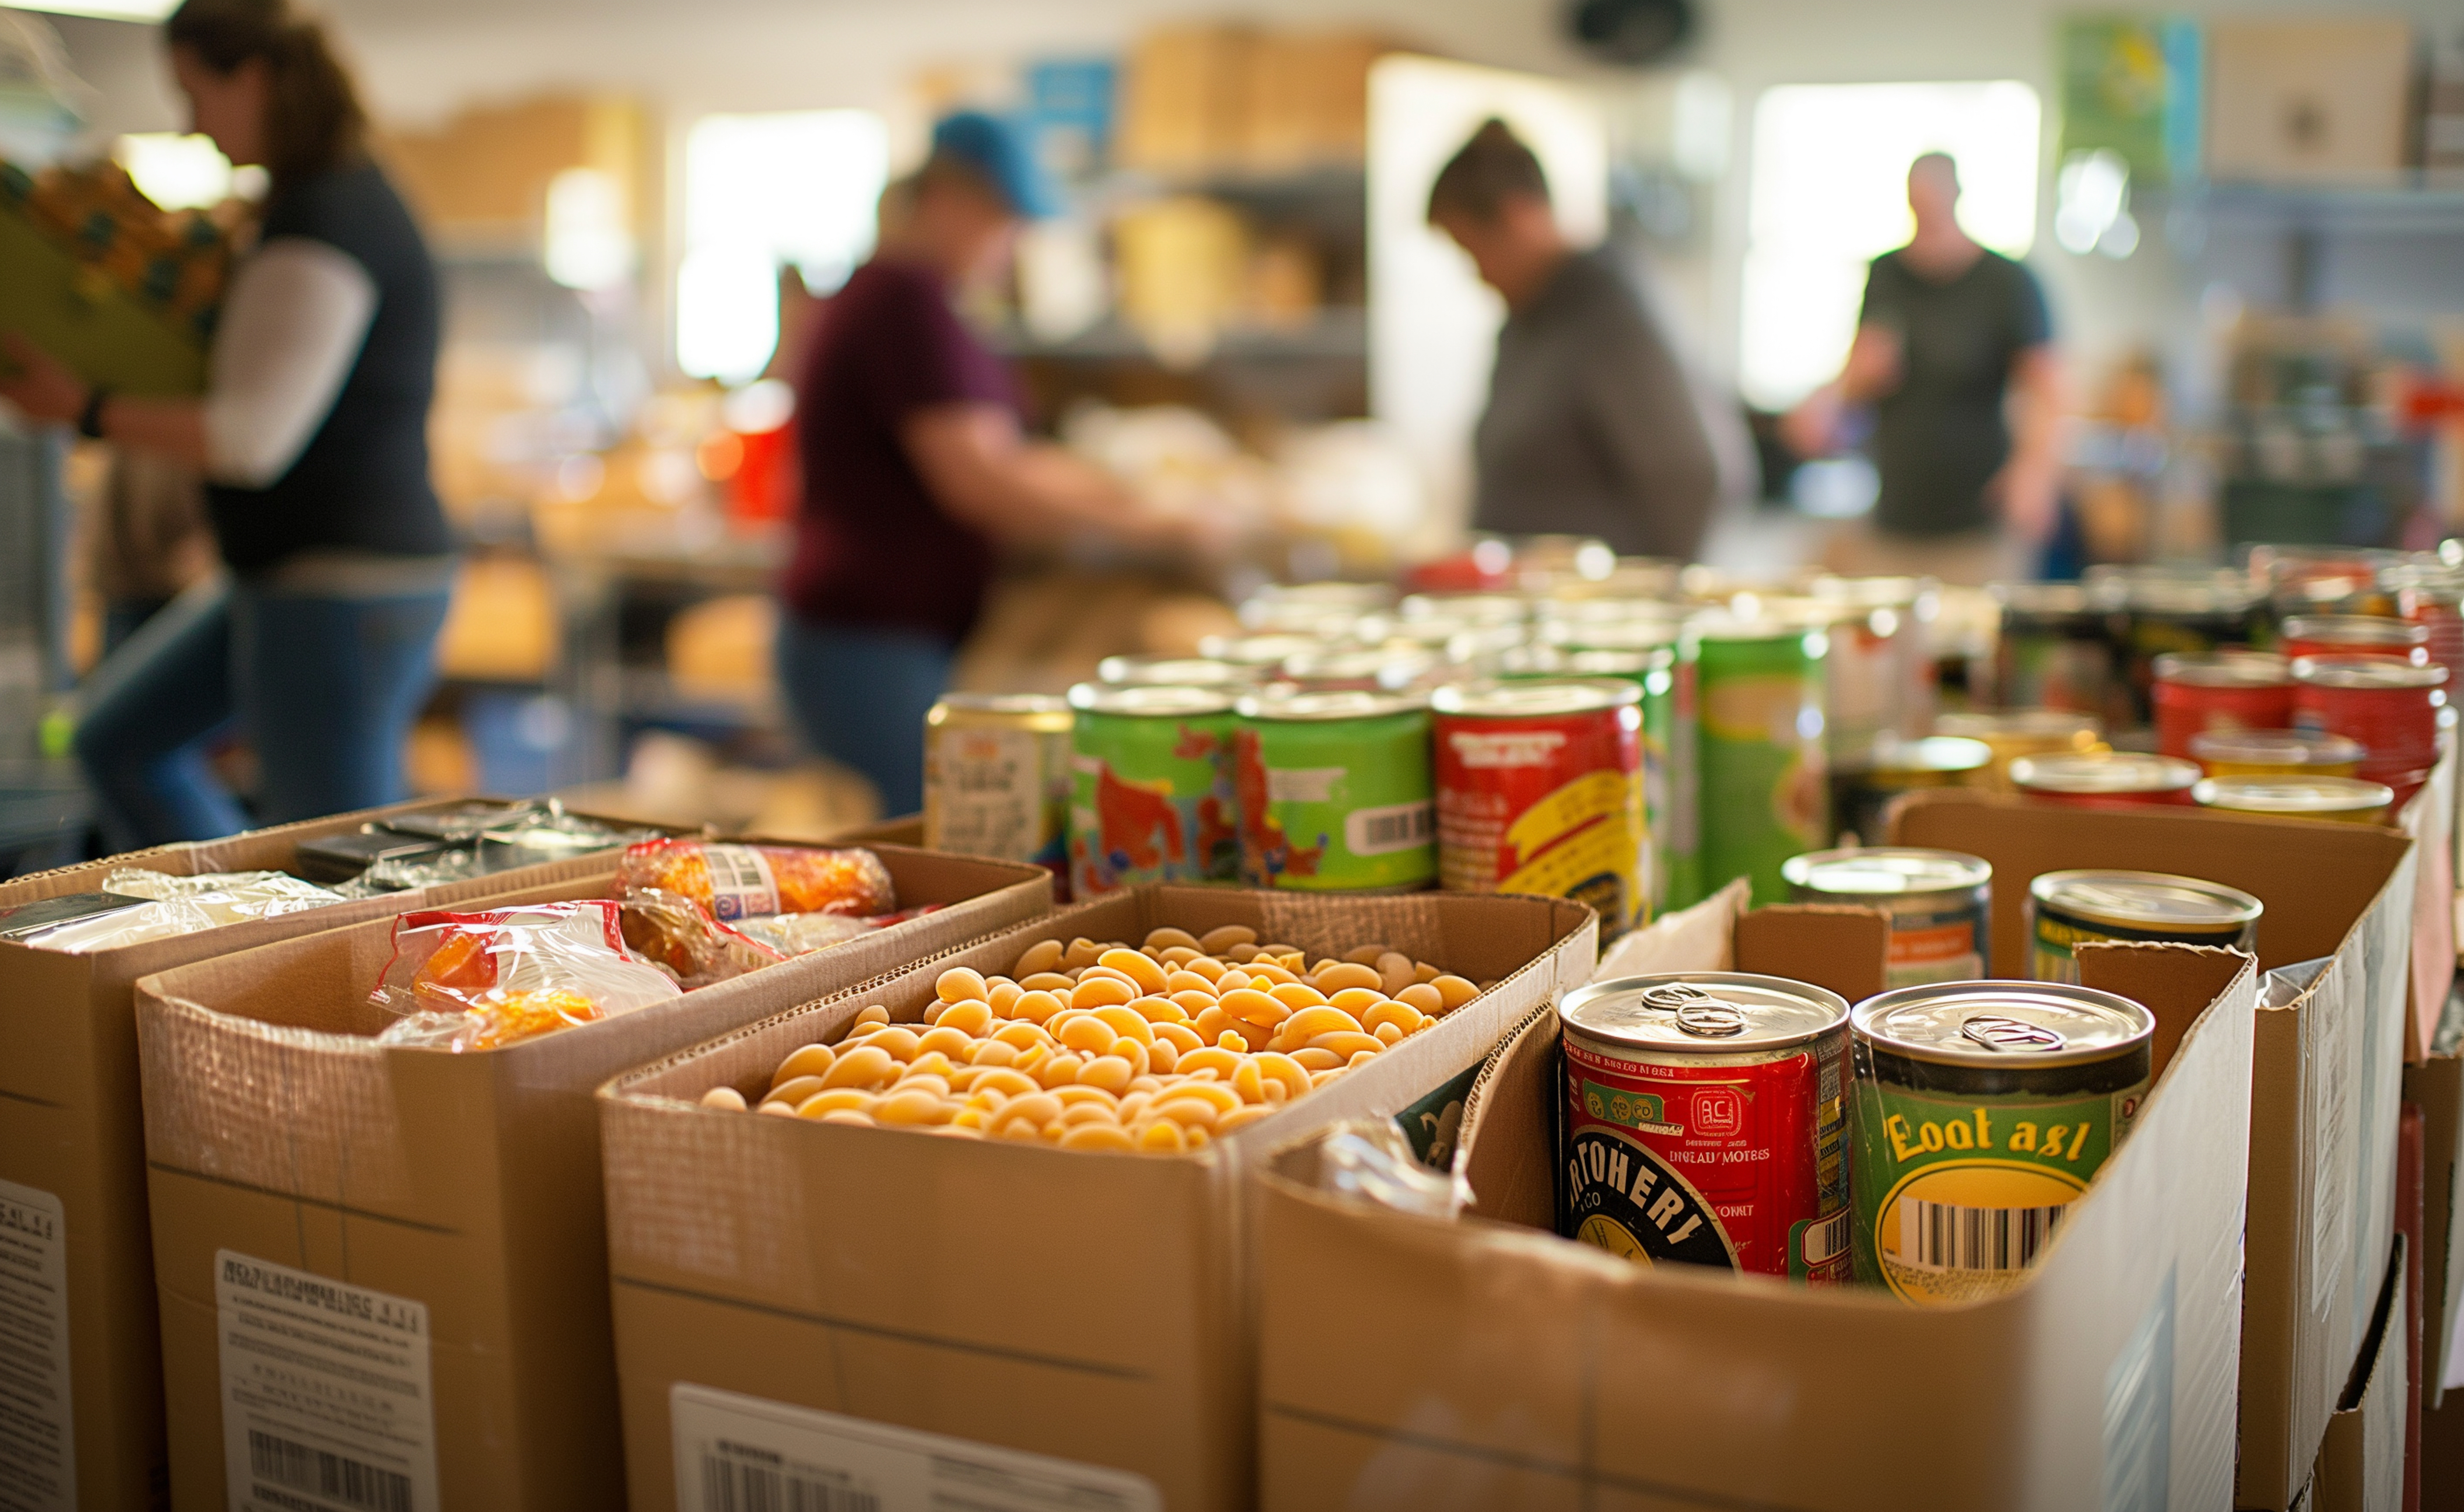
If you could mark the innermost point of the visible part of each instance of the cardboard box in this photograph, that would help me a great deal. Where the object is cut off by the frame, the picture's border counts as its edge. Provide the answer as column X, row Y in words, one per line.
column 2361, row 1460
column 2327, row 1069
column 2429, row 820
column 2437, row 1088
column 996, row 1298
column 72, row 1157
column 447, row 1205
column 1410, row 1363
column 2303, row 97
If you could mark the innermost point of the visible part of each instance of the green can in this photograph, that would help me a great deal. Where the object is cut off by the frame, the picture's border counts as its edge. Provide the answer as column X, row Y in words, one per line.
column 1652, row 666
column 1335, row 792
column 1750, row 706
column 1151, row 787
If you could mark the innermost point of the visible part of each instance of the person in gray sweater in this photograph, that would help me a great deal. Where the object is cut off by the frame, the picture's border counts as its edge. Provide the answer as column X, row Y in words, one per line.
column 1590, row 427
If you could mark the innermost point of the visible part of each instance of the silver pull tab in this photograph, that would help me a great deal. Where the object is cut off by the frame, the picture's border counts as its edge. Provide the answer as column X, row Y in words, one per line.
column 1998, row 1032
column 1712, row 1018
column 1673, row 995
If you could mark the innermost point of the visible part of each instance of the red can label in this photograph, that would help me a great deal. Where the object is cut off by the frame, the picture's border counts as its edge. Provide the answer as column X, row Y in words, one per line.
column 1547, row 804
column 2184, row 709
column 1737, row 1167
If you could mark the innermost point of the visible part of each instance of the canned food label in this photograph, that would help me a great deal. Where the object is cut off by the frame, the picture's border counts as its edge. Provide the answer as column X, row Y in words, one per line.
column 740, row 883
column 1946, row 946
column 1957, row 1197
column 37, row 1426
column 1151, row 802
column 1765, row 796
column 1366, row 823
column 1385, row 831
column 997, row 792
column 1504, row 827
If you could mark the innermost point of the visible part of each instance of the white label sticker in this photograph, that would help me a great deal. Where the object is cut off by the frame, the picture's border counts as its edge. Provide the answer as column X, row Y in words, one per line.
column 742, row 1454
column 38, row 1425
column 989, row 791
column 1303, row 784
column 740, row 883
column 327, row 1400
column 1382, row 831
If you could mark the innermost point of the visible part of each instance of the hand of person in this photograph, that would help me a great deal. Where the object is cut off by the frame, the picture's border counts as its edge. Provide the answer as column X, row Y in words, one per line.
column 42, row 385
column 2030, row 496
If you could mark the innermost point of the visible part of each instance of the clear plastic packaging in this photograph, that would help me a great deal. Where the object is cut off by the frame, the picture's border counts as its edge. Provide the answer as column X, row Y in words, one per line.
column 742, row 882
column 1369, row 1160
column 674, row 934
column 478, row 981
column 177, row 906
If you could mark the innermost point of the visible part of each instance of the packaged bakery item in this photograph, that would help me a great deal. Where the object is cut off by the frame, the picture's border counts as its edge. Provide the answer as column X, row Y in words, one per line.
column 744, row 882
column 479, row 981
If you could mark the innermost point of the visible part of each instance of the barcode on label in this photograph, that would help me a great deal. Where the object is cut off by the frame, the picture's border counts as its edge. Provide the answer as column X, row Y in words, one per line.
column 1397, row 826
column 760, row 1484
column 330, row 1477
column 1940, row 1236
column 1827, row 1241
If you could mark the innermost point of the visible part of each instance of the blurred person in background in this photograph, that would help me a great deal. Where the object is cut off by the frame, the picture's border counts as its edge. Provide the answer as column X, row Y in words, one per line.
column 312, row 437
column 1955, row 353
column 145, row 540
column 1590, row 427
column 916, row 468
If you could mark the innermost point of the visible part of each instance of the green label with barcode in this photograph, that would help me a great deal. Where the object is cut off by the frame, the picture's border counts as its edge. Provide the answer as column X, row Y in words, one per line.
column 1337, row 805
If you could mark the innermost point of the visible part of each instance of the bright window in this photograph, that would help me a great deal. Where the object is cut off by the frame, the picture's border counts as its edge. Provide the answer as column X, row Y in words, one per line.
column 761, row 193
column 1829, row 193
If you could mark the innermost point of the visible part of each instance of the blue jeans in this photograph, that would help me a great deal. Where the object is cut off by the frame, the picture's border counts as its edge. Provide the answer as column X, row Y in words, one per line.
column 859, row 696
column 325, row 689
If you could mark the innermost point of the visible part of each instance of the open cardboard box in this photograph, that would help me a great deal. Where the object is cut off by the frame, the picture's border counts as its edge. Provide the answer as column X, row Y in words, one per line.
column 2361, row 1460
column 73, row 1159
column 456, row 1196
column 2327, row 1068
column 1407, row 1362
column 776, row 1281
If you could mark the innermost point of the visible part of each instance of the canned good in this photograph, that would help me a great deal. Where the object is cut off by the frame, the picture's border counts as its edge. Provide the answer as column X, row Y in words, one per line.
column 1266, row 651
column 1335, row 794
column 1175, row 672
column 1940, row 902
column 1654, row 672
column 1468, row 608
column 1862, row 790
column 1879, row 676
column 2336, row 797
column 1312, row 607
column 1540, row 790
column 997, row 777
column 2069, row 908
column 2166, row 614
column 1641, row 633
column 2105, row 778
column 2059, row 649
column 1362, row 669
column 2390, row 709
column 1704, row 1115
column 2355, row 635
column 2013, row 733
column 1983, row 1110
column 2224, row 690
column 2432, row 596
column 2276, row 752
column 1756, row 700
column 1151, row 787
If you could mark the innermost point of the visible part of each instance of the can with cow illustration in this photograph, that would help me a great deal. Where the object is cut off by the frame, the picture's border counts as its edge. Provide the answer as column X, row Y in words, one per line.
column 1151, row 787
column 1335, row 792
column 1540, row 790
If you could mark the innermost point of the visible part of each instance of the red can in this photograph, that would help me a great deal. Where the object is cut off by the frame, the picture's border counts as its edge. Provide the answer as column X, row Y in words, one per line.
column 2106, row 778
column 2356, row 635
column 2228, row 690
column 2389, row 706
column 2433, row 599
column 1540, row 790
column 1706, row 1122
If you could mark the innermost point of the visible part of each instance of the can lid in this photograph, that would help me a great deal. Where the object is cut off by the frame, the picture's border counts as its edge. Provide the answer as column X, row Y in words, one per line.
column 1615, row 635
column 2276, row 747
column 1883, row 871
column 1386, row 666
column 2041, row 724
column 1707, row 1012
column 1552, row 661
column 1300, row 707
column 2045, row 598
column 2292, row 795
column 2003, row 1023
column 2366, row 672
column 1140, row 701
column 1172, row 672
column 1431, row 633
column 2104, row 772
column 2145, row 900
column 1468, row 608
column 2356, row 629
column 1892, row 756
column 2223, row 669
column 1269, row 650
column 1534, row 698
column 1726, row 626
column 1007, row 703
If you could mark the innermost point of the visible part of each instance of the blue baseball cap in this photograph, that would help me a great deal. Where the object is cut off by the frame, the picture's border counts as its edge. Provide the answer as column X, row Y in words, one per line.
column 999, row 151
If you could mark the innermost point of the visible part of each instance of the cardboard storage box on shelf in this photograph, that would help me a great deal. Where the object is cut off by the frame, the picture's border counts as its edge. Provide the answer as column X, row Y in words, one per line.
column 1072, row 1318
column 2437, row 1087
column 73, row 1162
column 1407, row 1362
column 2309, row 96
column 2361, row 1462
column 2327, row 1069
column 308, row 1179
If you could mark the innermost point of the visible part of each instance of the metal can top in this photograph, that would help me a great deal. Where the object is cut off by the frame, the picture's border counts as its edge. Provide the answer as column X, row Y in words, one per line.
column 1043, row 710
column 1137, row 701
column 2145, row 900
column 2046, row 598
column 2366, row 672
column 2276, row 747
column 1327, row 594
column 1605, row 611
column 1308, row 708
column 1387, row 666
column 2022, row 724
column 1534, row 699
column 2003, row 1024
column 1469, row 608
column 2223, row 669
column 1555, row 660
column 1927, row 755
column 1613, row 635
column 1432, row 632
column 2104, row 772
column 1728, row 625
column 2292, row 795
column 1172, row 672
column 1884, row 870
column 1268, row 650
column 2357, row 630
column 1703, row 1013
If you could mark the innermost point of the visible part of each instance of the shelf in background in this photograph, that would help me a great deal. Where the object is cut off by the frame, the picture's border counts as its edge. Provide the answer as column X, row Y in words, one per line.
column 1337, row 335
column 2415, row 201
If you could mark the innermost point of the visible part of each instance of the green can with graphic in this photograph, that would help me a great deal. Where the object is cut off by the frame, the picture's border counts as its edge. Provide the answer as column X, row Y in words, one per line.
column 1335, row 792
column 1650, row 662
column 1750, row 706
column 1982, row 1110
column 1151, row 787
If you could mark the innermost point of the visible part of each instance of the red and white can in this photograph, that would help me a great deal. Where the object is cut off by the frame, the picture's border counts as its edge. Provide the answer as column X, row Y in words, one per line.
column 1540, row 790
column 1706, row 1122
column 2433, row 599
column 2106, row 778
column 2226, row 691
column 2391, row 707
column 2356, row 635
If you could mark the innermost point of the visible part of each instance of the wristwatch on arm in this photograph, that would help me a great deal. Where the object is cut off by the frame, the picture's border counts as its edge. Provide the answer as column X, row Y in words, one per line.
column 90, row 419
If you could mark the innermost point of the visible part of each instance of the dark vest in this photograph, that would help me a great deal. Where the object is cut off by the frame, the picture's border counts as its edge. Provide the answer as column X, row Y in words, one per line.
column 361, row 483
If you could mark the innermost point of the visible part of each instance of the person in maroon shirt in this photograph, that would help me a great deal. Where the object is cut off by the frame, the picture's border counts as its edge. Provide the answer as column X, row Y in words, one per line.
column 915, row 466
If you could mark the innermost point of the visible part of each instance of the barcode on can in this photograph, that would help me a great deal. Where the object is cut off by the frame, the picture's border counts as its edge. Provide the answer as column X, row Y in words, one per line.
column 1397, row 826
column 754, row 1480
column 294, row 1466
column 1942, row 1235
column 1826, row 1240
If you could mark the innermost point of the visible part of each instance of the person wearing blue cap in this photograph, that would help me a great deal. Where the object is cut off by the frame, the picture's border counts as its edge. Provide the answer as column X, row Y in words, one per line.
column 916, row 467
